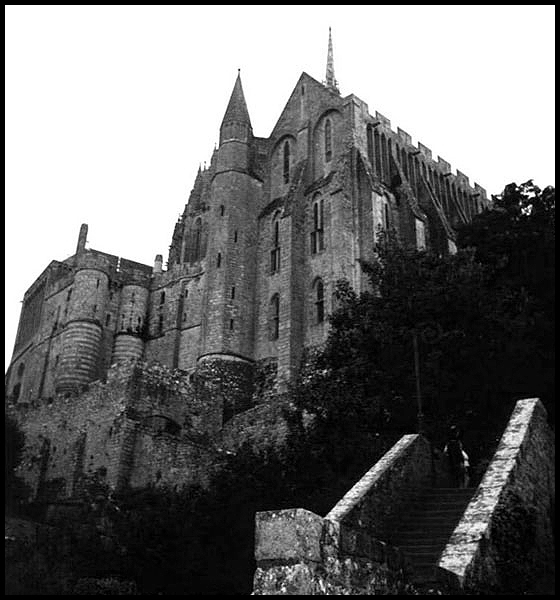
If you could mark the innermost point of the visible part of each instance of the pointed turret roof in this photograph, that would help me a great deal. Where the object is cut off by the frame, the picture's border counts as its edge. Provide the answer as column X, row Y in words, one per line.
column 237, row 107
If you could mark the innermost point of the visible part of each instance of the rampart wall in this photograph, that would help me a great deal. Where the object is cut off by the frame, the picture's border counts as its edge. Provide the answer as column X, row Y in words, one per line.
column 140, row 427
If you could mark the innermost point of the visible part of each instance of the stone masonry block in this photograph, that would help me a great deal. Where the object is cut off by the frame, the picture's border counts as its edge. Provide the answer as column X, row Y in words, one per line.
column 288, row 535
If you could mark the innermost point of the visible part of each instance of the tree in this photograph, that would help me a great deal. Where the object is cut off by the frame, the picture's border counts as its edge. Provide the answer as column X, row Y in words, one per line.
column 483, row 319
column 15, row 489
column 515, row 240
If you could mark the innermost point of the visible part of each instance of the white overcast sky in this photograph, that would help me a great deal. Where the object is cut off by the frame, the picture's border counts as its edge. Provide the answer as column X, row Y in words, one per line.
column 110, row 109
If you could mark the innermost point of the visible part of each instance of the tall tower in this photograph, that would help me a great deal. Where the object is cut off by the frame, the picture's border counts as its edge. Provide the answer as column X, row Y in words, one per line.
column 229, row 305
column 86, row 301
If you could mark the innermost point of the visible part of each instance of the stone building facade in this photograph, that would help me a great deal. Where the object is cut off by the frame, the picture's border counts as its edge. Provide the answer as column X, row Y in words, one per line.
column 269, row 227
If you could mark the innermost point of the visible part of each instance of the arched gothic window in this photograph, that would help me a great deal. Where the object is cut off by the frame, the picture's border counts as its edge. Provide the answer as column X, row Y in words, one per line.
column 404, row 161
column 369, row 135
column 286, row 161
column 197, row 239
column 274, row 321
column 411, row 173
column 319, row 301
column 328, row 140
column 384, row 159
column 184, row 304
column 317, row 233
column 377, row 150
column 275, row 249
column 386, row 214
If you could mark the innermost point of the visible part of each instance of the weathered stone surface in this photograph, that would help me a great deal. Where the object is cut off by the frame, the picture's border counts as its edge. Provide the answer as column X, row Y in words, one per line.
column 520, row 477
column 298, row 552
column 378, row 497
column 287, row 535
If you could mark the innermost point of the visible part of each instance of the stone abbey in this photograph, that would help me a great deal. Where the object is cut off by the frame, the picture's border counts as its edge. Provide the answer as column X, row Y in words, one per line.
column 269, row 227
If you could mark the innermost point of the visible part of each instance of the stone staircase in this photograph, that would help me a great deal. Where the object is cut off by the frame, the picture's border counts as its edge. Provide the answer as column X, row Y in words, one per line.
column 424, row 532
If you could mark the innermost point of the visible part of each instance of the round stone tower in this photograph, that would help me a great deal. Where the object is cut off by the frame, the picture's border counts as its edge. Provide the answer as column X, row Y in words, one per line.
column 131, row 321
column 228, row 322
column 81, row 345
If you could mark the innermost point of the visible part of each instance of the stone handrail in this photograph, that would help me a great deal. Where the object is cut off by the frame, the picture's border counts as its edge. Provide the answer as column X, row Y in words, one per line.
column 379, row 497
column 520, row 471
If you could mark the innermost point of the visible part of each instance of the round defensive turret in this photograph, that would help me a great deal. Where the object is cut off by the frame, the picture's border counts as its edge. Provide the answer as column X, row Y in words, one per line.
column 81, row 345
column 129, row 343
column 235, row 133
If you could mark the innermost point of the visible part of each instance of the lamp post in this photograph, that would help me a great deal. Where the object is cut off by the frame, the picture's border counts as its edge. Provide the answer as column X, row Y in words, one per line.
column 420, row 414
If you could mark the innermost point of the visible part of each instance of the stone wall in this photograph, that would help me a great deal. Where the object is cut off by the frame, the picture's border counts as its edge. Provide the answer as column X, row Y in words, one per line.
column 379, row 497
column 507, row 527
column 345, row 553
column 300, row 553
column 260, row 426
column 135, row 429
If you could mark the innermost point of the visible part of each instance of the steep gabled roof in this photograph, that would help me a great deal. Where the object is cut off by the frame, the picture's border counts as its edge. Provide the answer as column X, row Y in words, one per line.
column 324, row 98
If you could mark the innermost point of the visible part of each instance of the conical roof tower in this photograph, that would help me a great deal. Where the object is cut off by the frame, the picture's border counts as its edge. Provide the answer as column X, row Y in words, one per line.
column 236, row 123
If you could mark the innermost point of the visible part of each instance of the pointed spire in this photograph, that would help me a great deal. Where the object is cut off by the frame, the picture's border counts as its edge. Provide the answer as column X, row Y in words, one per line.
column 237, row 108
column 330, row 81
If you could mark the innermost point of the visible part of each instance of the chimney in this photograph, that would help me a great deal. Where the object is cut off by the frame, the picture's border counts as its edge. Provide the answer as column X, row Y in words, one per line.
column 158, row 264
column 82, row 238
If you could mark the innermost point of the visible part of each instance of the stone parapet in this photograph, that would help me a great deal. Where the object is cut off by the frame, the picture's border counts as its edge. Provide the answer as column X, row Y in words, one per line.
column 300, row 553
column 518, row 485
column 379, row 497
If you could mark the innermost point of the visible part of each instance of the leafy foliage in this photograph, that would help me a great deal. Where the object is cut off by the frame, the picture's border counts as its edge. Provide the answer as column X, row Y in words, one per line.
column 15, row 490
column 516, row 242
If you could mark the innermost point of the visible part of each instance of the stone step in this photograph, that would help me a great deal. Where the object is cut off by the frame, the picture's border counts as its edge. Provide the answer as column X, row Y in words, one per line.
column 424, row 530
column 427, row 522
column 423, row 535
column 435, row 514
column 425, row 548
column 423, row 573
column 437, row 500
column 449, row 492
column 432, row 541
column 422, row 548
column 423, row 558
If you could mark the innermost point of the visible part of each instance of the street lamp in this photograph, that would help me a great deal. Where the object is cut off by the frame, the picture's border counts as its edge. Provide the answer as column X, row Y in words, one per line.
column 420, row 415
